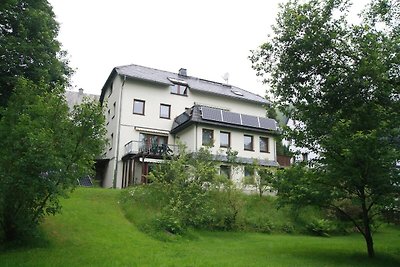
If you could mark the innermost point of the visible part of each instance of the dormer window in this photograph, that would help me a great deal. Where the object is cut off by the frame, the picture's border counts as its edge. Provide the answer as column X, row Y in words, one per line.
column 178, row 87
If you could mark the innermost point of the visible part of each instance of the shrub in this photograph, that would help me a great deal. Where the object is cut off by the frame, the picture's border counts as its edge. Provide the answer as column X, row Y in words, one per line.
column 320, row 227
column 287, row 228
column 226, row 207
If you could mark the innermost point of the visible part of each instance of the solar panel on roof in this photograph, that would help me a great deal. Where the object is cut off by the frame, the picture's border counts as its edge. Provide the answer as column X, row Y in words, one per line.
column 251, row 121
column 211, row 114
column 231, row 117
column 268, row 124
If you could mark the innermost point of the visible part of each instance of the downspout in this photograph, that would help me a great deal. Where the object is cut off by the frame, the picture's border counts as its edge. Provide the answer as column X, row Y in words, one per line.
column 118, row 134
column 195, row 143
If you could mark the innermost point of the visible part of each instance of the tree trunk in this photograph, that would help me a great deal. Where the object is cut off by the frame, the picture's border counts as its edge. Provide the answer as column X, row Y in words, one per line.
column 367, row 228
column 370, row 243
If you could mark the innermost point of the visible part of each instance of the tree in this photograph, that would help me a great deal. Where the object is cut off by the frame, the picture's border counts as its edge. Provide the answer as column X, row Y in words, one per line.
column 28, row 46
column 262, row 178
column 44, row 150
column 343, row 82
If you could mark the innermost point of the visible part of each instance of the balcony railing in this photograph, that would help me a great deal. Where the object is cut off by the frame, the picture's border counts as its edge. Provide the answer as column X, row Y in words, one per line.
column 159, row 150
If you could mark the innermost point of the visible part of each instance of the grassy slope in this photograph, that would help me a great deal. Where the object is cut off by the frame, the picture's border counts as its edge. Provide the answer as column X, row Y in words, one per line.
column 92, row 231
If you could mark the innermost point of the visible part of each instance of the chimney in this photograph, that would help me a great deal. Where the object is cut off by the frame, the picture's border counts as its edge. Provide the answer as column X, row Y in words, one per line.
column 80, row 91
column 182, row 72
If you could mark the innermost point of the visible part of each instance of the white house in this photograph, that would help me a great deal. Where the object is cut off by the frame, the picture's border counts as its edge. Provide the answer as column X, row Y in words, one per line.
column 150, row 111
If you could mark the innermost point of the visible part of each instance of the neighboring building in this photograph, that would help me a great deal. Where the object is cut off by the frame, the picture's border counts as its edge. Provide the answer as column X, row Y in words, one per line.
column 149, row 111
column 75, row 98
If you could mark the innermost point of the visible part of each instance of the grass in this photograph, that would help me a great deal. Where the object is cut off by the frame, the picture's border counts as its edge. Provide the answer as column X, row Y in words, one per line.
column 92, row 231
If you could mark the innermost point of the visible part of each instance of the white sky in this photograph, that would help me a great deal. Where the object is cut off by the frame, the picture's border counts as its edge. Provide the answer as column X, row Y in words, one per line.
column 207, row 37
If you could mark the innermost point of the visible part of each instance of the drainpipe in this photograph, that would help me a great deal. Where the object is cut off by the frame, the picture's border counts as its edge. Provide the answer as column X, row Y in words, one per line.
column 118, row 134
column 196, row 138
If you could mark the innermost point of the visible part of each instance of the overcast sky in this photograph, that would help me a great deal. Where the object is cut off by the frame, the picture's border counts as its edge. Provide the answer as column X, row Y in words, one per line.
column 207, row 37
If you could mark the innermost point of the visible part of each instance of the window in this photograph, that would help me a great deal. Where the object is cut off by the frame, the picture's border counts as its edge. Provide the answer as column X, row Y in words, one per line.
column 225, row 170
column 165, row 111
column 225, row 139
column 248, row 171
column 208, row 137
column 108, row 116
column 111, row 141
column 179, row 89
column 248, row 142
column 304, row 156
column 114, row 108
column 264, row 144
column 138, row 107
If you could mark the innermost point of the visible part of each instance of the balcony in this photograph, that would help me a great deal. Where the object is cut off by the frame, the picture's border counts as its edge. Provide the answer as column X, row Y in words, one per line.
column 151, row 150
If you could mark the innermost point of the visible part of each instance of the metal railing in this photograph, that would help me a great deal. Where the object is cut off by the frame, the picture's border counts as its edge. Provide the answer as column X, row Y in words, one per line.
column 135, row 147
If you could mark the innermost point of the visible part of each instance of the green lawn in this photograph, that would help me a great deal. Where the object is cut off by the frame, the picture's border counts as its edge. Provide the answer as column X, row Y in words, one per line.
column 92, row 231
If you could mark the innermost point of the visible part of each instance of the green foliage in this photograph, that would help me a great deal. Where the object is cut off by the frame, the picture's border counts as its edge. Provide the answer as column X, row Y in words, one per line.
column 321, row 227
column 187, row 181
column 28, row 46
column 227, row 206
column 44, row 150
column 341, row 81
column 262, row 178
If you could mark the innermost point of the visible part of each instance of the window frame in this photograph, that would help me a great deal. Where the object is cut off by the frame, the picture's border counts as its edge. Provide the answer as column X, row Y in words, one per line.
column 114, row 110
column 228, row 168
column 252, row 142
column 169, row 111
column 248, row 170
column 229, row 139
column 143, row 108
column 211, row 143
column 179, row 90
column 111, row 141
column 266, row 139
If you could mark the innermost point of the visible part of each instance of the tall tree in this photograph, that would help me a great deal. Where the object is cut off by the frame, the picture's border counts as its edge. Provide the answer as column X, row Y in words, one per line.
column 45, row 149
column 343, row 82
column 28, row 46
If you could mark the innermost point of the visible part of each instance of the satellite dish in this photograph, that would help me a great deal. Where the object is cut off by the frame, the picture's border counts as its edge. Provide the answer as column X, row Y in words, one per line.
column 226, row 77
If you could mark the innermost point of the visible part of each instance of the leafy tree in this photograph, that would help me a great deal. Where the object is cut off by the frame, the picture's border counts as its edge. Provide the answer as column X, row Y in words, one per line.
column 197, row 195
column 28, row 46
column 343, row 82
column 262, row 178
column 44, row 150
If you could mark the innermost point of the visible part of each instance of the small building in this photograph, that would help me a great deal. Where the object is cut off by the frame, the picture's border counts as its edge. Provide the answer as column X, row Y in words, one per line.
column 150, row 111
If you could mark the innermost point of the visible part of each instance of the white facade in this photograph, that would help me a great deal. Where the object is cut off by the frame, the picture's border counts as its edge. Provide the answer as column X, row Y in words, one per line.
column 130, row 128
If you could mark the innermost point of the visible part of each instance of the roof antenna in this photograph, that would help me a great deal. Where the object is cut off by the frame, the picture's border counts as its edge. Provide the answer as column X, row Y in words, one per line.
column 226, row 77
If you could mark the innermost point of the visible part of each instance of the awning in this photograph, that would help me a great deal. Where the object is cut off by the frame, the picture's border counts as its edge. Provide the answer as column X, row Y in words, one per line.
column 152, row 131
column 153, row 160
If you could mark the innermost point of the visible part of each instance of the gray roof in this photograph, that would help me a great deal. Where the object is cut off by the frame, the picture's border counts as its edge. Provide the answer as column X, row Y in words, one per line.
column 75, row 98
column 197, row 115
column 195, row 84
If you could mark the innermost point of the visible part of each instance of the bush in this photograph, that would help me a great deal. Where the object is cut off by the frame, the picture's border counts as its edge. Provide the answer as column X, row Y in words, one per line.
column 226, row 206
column 287, row 228
column 320, row 227
column 259, row 224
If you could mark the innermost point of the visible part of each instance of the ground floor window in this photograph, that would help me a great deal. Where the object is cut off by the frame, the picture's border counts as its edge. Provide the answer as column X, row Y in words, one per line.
column 248, row 171
column 225, row 170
